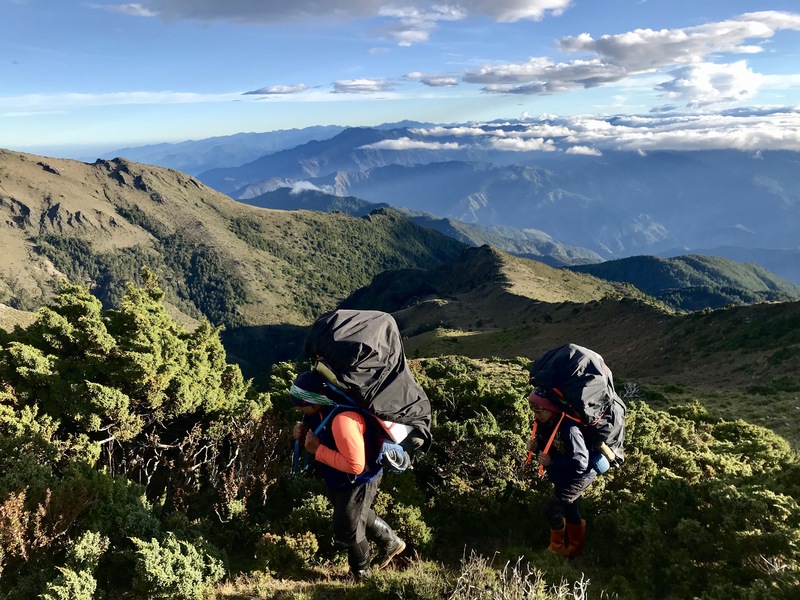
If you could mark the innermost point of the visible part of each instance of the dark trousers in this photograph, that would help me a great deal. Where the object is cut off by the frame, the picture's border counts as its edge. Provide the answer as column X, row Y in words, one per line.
column 352, row 515
column 557, row 510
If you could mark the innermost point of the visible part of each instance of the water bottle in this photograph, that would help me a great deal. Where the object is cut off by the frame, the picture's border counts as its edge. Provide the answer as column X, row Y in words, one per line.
column 599, row 462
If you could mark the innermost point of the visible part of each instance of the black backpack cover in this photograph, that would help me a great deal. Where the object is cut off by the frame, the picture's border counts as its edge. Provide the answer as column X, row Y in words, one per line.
column 364, row 350
column 580, row 378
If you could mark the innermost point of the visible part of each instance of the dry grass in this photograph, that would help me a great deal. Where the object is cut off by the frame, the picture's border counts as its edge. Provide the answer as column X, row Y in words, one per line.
column 11, row 317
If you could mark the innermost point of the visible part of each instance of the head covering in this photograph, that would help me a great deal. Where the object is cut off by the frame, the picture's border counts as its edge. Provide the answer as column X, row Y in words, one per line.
column 309, row 388
column 539, row 397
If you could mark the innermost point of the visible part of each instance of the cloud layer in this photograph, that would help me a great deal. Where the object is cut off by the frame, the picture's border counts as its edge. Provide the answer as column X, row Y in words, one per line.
column 775, row 129
column 412, row 20
column 694, row 79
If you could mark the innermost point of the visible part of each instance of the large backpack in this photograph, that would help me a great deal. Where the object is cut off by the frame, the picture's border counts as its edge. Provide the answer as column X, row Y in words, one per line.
column 580, row 381
column 361, row 352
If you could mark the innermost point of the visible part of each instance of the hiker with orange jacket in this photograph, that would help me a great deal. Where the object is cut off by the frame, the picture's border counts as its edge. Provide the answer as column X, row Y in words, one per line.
column 559, row 445
column 347, row 451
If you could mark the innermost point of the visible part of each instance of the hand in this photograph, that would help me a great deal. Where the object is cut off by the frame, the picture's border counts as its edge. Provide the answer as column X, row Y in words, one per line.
column 312, row 442
column 543, row 459
column 299, row 431
column 531, row 446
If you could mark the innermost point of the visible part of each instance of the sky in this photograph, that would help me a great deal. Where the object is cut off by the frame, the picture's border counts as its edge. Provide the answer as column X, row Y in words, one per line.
column 88, row 77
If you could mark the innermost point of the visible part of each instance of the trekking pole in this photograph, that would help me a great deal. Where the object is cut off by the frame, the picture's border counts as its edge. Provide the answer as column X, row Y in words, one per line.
column 296, row 457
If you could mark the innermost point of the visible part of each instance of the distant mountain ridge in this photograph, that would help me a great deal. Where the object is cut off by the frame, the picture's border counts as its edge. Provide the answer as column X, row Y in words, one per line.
column 527, row 243
column 616, row 204
column 196, row 156
column 695, row 282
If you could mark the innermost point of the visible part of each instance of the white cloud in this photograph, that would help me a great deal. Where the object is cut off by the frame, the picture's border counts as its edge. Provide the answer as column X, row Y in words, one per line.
column 433, row 80
column 536, row 130
column 405, row 143
column 414, row 25
column 361, row 86
column 463, row 131
column 279, row 89
column 707, row 83
column 305, row 186
column 249, row 11
column 586, row 73
column 614, row 58
column 522, row 145
column 644, row 49
column 61, row 102
column 584, row 150
column 415, row 19
column 132, row 10
column 775, row 129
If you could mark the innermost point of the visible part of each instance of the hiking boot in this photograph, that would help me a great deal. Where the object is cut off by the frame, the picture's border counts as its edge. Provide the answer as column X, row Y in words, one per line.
column 358, row 559
column 389, row 544
column 576, row 534
column 557, row 545
column 357, row 574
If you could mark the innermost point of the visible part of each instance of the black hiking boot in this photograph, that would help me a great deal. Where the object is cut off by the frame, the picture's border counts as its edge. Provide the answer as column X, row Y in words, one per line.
column 389, row 544
column 358, row 560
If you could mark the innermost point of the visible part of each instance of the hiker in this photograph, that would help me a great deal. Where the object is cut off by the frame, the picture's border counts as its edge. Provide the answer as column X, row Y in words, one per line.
column 347, row 451
column 560, row 447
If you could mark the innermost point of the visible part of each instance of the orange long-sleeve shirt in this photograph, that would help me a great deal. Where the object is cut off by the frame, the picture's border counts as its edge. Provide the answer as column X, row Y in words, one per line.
column 348, row 429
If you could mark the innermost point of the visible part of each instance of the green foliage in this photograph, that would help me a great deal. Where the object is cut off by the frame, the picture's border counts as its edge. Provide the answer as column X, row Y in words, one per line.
column 198, row 280
column 119, row 425
column 696, row 282
column 112, row 423
column 206, row 280
column 287, row 554
column 174, row 568
column 76, row 580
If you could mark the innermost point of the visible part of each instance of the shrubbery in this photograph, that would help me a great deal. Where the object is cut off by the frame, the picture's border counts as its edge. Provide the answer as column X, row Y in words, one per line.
column 132, row 457
column 123, row 425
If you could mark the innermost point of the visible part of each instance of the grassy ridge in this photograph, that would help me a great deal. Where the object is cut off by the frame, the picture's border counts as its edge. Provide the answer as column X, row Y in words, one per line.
column 695, row 282
column 234, row 264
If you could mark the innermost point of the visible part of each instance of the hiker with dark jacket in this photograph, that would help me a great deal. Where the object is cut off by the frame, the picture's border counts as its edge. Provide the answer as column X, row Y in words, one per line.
column 560, row 447
column 347, row 451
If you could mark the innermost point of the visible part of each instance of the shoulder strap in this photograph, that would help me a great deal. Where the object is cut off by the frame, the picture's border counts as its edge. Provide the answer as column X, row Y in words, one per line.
column 549, row 441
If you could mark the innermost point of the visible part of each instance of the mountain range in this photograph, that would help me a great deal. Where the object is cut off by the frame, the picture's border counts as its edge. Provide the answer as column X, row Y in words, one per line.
column 215, row 258
column 615, row 204
column 265, row 274
column 527, row 243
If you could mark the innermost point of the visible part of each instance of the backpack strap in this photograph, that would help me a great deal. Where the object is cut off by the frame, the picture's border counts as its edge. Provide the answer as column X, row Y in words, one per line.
column 296, row 458
column 549, row 441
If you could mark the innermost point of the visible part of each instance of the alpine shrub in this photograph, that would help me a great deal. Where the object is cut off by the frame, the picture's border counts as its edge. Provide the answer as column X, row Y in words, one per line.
column 176, row 569
column 76, row 580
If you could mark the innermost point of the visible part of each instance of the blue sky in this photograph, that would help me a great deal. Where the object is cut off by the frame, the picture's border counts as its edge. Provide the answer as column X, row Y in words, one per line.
column 82, row 77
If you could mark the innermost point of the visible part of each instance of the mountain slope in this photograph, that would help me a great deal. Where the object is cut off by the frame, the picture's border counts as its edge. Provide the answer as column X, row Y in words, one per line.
column 233, row 263
column 784, row 262
column 528, row 243
column 196, row 156
column 489, row 304
column 695, row 282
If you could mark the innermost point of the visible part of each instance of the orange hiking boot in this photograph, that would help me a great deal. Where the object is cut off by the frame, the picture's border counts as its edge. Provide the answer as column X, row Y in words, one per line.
column 576, row 535
column 557, row 545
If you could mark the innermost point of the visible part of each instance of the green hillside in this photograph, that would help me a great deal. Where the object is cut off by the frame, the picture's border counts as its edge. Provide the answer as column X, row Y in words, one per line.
column 694, row 282
column 234, row 264
column 527, row 243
